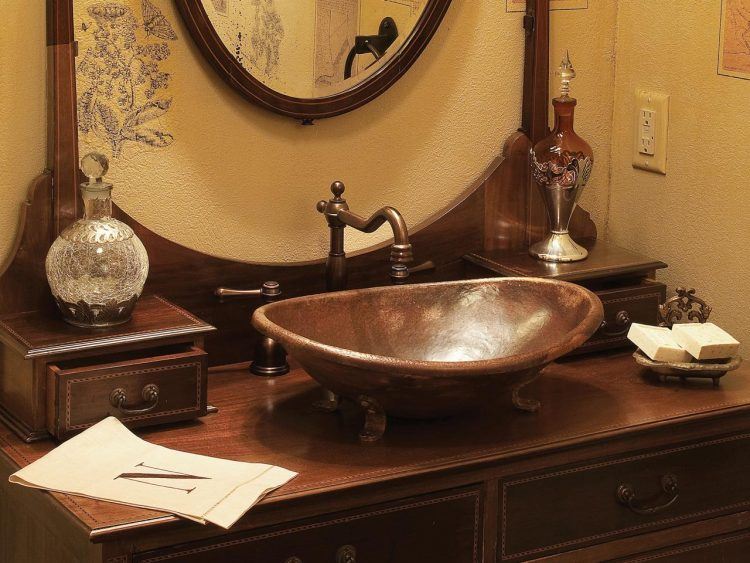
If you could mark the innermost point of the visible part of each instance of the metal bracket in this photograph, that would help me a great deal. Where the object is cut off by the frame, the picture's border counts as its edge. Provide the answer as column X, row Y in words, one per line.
column 376, row 45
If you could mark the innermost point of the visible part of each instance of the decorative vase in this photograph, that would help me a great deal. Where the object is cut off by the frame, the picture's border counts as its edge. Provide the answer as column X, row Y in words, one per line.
column 97, row 267
column 561, row 165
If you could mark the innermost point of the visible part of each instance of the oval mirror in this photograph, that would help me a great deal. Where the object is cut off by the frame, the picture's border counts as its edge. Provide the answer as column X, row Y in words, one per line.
column 311, row 59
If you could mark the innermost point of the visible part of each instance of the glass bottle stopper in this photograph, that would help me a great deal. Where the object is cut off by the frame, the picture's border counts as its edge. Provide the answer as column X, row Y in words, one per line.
column 95, row 166
column 566, row 72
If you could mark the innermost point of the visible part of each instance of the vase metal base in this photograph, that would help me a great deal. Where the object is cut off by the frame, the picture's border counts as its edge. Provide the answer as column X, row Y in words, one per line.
column 558, row 247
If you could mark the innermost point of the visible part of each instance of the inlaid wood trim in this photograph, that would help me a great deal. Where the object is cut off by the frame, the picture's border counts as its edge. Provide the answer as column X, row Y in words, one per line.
column 198, row 381
column 691, row 547
column 631, row 298
column 657, row 523
column 15, row 334
column 343, row 520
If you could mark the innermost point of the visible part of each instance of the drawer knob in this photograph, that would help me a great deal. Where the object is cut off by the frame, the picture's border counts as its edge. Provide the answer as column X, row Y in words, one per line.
column 346, row 554
column 150, row 395
column 627, row 496
column 619, row 327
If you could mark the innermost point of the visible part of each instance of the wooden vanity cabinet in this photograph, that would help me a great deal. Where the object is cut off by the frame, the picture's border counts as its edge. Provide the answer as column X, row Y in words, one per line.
column 493, row 486
column 442, row 527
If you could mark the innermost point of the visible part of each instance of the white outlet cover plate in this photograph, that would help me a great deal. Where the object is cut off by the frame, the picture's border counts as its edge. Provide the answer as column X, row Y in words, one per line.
column 658, row 103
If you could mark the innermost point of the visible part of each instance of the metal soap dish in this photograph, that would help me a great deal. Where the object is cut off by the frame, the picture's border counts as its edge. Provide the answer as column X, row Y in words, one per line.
column 672, row 312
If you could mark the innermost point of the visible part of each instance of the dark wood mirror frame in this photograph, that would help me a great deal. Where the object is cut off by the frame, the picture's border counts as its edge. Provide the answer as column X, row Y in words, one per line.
column 307, row 109
column 500, row 211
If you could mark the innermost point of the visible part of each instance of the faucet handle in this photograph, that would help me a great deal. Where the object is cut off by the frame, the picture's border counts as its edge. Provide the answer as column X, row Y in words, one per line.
column 269, row 292
column 337, row 189
column 333, row 205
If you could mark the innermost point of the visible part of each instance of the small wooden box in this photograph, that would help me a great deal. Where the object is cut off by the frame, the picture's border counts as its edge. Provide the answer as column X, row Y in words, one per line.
column 57, row 379
column 623, row 280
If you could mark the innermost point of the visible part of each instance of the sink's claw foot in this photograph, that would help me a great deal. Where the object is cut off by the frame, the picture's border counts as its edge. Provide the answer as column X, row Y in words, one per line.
column 528, row 405
column 375, row 419
column 329, row 403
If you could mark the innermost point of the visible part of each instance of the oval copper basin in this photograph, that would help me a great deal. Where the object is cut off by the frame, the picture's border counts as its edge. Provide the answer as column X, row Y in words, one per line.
column 434, row 349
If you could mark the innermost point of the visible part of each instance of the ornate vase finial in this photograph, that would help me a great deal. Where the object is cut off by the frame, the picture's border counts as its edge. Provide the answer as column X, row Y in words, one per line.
column 566, row 72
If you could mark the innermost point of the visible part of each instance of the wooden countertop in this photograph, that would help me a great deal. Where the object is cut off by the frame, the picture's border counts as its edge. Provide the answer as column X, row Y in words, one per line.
column 272, row 421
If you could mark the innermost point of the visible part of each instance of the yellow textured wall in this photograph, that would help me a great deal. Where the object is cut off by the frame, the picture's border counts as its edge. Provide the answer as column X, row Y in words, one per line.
column 241, row 182
column 593, row 57
column 696, row 217
column 23, row 118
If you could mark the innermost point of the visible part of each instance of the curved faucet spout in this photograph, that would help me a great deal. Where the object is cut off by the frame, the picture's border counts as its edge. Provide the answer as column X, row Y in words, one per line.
column 338, row 216
column 373, row 223
column 401, row 252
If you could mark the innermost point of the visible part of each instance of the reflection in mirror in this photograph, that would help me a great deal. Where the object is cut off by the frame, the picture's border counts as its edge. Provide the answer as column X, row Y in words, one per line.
column 313, row 48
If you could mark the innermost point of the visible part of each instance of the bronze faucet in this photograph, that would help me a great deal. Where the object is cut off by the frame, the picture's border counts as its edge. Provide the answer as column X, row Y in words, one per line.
column 337, row 213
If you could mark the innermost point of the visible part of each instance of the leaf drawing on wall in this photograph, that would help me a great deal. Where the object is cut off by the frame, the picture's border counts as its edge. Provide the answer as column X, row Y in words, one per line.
column 148, row 111
column 124, row 89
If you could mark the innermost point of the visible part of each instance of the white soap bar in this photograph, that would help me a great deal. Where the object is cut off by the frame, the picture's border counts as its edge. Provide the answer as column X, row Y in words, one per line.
column 705, row 341
column 657, row 343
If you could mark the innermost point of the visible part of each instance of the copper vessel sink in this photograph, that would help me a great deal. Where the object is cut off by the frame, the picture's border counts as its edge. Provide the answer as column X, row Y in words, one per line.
column 430, row 350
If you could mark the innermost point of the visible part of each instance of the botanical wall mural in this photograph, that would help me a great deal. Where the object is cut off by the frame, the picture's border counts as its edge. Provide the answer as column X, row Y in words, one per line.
column 123, row 89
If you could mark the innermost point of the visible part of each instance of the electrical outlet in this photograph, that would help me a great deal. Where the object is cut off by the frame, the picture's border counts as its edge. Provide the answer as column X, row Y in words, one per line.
column 646, row 137
column 651, row 131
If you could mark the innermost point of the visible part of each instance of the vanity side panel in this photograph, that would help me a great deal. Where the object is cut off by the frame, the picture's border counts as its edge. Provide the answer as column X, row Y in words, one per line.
column 20, row 387
column 34, row 529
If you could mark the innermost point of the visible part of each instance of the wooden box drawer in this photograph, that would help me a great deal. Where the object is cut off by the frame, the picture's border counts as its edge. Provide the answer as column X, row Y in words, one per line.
column 572, row 507
column 138, row 391
column 443, row 528
column 622, row 307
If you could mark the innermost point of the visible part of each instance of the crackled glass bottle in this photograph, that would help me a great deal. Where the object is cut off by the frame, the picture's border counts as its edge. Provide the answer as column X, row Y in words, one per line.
column 97, row 267
column 561, row 165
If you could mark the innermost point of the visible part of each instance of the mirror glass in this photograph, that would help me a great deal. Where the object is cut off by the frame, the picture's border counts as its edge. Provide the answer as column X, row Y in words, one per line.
column 313, row 48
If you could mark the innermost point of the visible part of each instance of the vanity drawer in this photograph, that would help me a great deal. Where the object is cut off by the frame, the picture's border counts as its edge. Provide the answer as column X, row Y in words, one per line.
column 572, row 507
column 441, row 528
column 139, row 391
column 622, row 307
column 726, row 548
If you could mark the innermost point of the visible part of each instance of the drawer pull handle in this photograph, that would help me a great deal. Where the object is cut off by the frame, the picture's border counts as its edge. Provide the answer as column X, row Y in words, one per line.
column 346, row 554
column 626, row 495
column 619, row 327
column 150, row 395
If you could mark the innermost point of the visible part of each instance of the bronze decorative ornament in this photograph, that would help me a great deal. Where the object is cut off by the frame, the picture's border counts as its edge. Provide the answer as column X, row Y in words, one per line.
column 561, row 165
column 684, row 303
column 431, row 350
